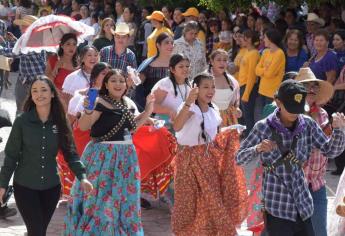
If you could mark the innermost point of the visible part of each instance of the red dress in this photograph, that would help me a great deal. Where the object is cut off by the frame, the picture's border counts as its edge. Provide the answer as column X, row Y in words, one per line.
column 66, row 175
column 62, row 73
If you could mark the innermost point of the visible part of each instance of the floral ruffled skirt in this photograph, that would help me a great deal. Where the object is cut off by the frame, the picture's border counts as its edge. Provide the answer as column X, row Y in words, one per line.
column 113, row 207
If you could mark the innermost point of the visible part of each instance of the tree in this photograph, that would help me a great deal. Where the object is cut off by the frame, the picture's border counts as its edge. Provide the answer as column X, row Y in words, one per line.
column 216, row 5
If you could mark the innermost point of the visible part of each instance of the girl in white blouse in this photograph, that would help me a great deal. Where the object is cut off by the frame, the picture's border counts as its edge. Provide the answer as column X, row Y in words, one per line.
column 210, row 189
column 80, row 79
column 172, row 91
column 227, row 96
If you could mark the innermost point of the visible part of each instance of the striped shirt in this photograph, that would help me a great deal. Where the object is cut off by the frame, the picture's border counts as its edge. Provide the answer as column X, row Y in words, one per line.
column 127, row 58
column 286, row 194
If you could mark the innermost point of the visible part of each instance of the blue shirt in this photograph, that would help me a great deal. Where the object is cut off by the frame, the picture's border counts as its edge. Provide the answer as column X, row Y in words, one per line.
column 296, row 62
column 340, row 59
column 327, row 63
column 286, row 194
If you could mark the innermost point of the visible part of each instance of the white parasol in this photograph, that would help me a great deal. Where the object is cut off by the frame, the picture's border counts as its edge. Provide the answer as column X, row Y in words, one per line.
column 46, row 32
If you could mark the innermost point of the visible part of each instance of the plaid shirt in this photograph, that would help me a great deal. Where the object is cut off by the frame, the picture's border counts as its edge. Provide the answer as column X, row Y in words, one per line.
column 315, row 167
column 31, row 64
column 286, row 194
column 121, row 62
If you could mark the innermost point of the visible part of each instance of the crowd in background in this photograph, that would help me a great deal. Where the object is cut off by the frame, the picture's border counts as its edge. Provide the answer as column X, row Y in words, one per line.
column 249, row 53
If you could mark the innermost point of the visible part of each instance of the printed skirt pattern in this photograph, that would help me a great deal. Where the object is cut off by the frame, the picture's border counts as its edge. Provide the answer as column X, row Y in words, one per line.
column 210, row 189
column 229, row 116
column 113, row 207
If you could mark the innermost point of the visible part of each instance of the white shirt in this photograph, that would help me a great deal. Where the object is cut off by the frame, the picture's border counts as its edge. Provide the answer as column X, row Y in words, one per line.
column 76, row 104
column 171, row 101
column 77, row 80
column 190, row 134
column 224, row 98
column 86, row 21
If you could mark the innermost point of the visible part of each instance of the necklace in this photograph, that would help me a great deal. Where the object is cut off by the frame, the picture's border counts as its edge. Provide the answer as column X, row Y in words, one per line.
column 180, row 92
column 85, row 76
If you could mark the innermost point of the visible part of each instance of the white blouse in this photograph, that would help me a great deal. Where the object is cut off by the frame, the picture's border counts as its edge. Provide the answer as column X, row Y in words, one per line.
column 76, row 104
column 171, row 101
column 190, row 134
column 224, row 98
column 77, row 80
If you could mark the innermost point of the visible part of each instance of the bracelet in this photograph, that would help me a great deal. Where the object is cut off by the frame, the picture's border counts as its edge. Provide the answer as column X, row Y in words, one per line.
column 187, row 105
column 88, row 113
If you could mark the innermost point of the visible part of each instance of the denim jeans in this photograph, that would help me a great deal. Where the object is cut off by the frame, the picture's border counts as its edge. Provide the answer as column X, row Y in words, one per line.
column 319, row 217
column 248, row 108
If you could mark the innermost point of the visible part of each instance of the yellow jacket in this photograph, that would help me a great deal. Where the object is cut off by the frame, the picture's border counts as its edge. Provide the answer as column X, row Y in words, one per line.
column 238, row 60
column 151, row 40
column 246, row 75
column 271, row 69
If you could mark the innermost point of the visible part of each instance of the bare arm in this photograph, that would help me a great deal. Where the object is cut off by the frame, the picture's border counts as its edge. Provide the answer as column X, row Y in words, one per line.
column 182, row 117
column 331, row 76
column 184, row 114
column 160, row 95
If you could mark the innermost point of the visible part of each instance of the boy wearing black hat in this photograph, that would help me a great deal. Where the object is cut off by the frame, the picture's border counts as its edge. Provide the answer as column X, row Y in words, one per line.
column 283, row 142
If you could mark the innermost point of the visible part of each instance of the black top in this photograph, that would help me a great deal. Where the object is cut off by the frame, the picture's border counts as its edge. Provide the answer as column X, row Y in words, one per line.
column 108, row 119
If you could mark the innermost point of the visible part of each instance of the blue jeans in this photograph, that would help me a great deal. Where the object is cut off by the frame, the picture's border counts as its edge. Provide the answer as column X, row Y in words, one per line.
column 263, row 101
column 248, row 108
column 319, row 217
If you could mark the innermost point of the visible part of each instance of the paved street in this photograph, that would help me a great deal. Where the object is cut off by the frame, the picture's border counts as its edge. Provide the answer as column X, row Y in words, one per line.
column 156, row 221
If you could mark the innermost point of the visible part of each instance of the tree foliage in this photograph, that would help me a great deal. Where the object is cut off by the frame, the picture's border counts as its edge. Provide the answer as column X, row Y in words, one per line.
column 216, row 5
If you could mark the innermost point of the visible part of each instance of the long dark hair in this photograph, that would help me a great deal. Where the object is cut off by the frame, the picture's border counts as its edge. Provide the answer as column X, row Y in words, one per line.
column 96, row 70
column 274, row 36
column 116, row 72
column 57, row 113
column 212, row 56
column 63, row 40
column 174, row 60
column 159, row 40
column 197, row 81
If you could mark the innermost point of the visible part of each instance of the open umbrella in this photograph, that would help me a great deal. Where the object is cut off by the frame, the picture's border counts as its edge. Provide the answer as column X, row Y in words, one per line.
column 46, row 32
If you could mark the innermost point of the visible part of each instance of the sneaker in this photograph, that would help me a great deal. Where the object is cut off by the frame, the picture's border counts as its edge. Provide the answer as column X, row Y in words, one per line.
column 6, row 212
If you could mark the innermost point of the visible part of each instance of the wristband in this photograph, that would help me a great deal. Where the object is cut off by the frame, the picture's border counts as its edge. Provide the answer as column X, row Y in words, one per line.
column 88, row 113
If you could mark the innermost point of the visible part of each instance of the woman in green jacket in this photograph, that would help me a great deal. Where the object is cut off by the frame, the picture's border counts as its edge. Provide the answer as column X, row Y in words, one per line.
column 30, row 154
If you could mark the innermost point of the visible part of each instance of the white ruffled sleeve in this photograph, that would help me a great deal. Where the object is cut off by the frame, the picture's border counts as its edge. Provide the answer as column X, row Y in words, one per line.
column 71, row 83
column 164, row 84
column 75, row 105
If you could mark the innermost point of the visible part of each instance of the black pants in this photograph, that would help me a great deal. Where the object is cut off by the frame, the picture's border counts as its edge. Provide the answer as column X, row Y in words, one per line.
column 36, row 207
column 280, row 227
column 340, row 162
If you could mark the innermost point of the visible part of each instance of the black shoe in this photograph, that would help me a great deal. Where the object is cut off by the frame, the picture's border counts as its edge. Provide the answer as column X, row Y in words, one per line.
column 145, row 204
column 6, row 212
column 336, row 172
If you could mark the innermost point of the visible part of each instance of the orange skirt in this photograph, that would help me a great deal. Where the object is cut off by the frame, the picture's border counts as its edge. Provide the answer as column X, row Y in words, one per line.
column 229, row 116
column 155, row 149
column 210, row 189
